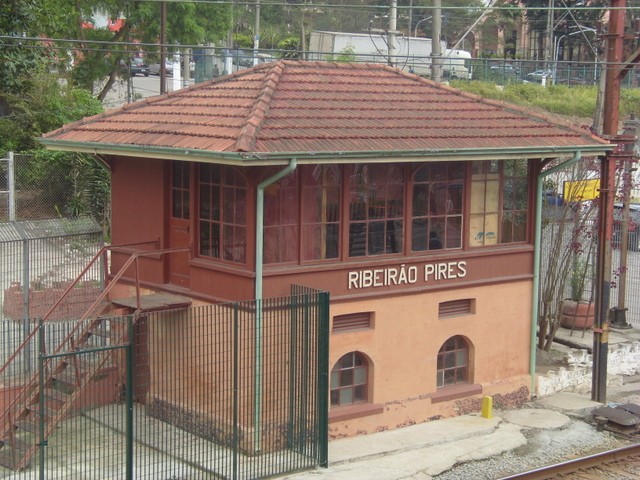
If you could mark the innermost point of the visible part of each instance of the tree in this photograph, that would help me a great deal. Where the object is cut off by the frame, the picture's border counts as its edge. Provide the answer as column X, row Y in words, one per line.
column 98, row 52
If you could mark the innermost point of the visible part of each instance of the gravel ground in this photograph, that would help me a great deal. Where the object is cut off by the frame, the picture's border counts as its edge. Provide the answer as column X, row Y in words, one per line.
column 544, row 447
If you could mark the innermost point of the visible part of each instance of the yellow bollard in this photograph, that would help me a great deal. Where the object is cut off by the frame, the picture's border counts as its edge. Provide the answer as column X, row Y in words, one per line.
column 487, row 407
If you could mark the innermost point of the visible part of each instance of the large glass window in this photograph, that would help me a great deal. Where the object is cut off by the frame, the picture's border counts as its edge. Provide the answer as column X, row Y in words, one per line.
column 321, row 186
column 222, row 215
column 515, row 202
column 499, row 202
column 282, row 219
column 437, row 198
column 453, row 362
column 376, row 209
column 349, row 380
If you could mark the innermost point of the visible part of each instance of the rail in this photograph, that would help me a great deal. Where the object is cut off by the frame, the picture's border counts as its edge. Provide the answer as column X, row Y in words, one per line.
column 595, row 461
column 125, row 267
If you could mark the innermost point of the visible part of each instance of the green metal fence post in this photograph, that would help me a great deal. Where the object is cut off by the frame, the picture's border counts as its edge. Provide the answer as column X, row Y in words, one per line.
column 41, row 426
column 129, row 401
column 323, row 379
column 235, row 366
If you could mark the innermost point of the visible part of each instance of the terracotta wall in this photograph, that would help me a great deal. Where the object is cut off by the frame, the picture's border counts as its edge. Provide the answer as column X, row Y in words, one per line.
column 403, row 346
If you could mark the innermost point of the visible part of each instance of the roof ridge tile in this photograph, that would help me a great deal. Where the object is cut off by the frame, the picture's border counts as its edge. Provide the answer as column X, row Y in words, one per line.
column 248, row 134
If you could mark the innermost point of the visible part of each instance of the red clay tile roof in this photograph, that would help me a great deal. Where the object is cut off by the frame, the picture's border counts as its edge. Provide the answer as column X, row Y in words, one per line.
column 291, row 106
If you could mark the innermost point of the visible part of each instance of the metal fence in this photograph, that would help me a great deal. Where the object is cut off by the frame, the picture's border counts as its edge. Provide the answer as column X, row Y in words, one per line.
column 233, row 391
column 558, row 222
column 39, row 258
column 33, row 191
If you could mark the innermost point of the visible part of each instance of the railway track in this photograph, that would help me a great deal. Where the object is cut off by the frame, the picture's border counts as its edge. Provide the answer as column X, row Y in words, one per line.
column 619, row 464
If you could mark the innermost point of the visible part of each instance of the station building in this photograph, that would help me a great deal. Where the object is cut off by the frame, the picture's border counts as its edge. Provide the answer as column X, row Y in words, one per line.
column 410, row 202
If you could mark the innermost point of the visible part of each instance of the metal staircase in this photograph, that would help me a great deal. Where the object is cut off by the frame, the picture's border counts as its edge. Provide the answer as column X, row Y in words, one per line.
column 48, row 398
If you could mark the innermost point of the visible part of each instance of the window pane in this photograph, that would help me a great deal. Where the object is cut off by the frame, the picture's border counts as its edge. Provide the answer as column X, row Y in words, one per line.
column 332, row 240
column 461, row 357
column 335, row 397
column 360, row 376
column 346, row 396
column 205, row 239
column 461, row 375
column 360, row 394
column 357, row 239
column 347, row 361
column 520, row 227
column 346, row 378
column 454, row 200
column 440, row 378
column 420, row 200
column 335, row 379
column 454, row 232
column 419, row 235
column 449, row 377
column 450, row 360
column 376, row 238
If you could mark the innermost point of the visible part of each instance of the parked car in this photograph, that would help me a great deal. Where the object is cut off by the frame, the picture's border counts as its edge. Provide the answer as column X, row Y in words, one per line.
column 572, row 81
column 154, row 68
column 505, row 69
column 137, row 66
column 538, row 75
column 634, row 226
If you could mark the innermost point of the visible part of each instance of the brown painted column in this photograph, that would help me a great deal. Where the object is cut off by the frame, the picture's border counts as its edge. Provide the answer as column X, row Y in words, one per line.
column 607, row 198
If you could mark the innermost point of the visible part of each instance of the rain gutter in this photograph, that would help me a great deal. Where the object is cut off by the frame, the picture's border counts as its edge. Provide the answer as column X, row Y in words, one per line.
column 536, row 261
column 314, row 157
column 257, row 407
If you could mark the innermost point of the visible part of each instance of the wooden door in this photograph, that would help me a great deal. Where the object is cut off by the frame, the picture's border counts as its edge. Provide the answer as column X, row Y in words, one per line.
column 180, row 224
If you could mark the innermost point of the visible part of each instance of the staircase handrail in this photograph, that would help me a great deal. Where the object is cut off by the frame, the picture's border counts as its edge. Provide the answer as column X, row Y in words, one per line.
column 134, row 257
column 28, row 338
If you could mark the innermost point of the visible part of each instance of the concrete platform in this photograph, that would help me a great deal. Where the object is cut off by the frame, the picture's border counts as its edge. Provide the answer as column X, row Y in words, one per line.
column 421, row 451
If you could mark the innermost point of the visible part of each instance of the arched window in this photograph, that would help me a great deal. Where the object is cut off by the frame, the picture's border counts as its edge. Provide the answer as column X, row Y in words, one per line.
column 349, row 380
column 453, row 362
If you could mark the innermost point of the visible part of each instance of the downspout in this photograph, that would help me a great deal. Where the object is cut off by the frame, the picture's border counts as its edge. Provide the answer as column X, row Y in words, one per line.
column 257, row 407
column 536, row 263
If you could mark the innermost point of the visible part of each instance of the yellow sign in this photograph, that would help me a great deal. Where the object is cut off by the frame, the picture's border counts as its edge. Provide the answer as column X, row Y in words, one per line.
column 581, row 190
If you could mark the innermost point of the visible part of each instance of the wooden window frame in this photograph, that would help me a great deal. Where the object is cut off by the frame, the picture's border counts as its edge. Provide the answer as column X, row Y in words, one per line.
column 343, row 373
column 458, row 372
column 226, row 222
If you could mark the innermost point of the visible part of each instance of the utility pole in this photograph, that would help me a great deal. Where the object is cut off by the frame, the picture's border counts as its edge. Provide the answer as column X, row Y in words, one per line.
column 548, row 47
column 163, row 47
column 436, row 47
column 391, row 37
column 613, row 72
column 256, row 35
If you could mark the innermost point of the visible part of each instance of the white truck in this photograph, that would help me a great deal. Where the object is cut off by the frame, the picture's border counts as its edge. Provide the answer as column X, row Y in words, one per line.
column 412, row 54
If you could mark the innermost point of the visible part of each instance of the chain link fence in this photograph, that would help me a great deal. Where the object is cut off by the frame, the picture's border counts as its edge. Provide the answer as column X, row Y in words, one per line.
column 39, row 187
column 38, row 193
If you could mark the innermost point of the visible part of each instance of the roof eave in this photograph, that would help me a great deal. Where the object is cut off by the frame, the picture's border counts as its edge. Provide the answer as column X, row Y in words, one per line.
column 308, row 157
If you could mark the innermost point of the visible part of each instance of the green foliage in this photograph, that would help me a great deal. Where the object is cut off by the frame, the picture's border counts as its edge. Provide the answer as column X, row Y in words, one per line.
column 577, row 101
column 43, row 107
column 347, row 54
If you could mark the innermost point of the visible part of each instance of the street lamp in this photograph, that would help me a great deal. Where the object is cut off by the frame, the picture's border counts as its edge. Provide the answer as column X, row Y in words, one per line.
column 415, row 30
column 557, row 48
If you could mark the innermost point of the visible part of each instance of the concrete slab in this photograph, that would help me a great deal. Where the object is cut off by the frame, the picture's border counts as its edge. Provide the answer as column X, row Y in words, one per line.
column 425, row 461
column 537, row 418
column 567, row 401
column 414, row 436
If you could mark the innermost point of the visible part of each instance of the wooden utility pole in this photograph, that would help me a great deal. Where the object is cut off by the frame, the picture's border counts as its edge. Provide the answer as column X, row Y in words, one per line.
column 163, row 47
